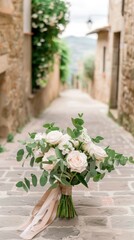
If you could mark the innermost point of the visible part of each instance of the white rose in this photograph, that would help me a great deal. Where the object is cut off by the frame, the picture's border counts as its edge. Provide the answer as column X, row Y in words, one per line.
column 97, row 151
column 39, row 136
column 77, row 161
column 65, row 145
column 65, row 138
column 50, row 153
column 54, row 137
column 38, row 153
column 84, row 137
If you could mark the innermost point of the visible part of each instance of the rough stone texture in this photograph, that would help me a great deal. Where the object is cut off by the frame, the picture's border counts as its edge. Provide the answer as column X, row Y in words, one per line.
column 101, row 88
column 17, row 103
column 119, row 85
column 105, row 212
column 126, row 109
column 60, row 233
column 13, row 90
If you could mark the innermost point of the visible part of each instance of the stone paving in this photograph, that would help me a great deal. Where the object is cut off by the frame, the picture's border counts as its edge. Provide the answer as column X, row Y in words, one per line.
column 105, row 210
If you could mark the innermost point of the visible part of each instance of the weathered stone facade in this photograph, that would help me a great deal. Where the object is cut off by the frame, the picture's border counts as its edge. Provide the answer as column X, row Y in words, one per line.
column 13, row 88
column 16, row 103
column 126, row 106
column 116, row 38
column 101, row 82
column 119, row 84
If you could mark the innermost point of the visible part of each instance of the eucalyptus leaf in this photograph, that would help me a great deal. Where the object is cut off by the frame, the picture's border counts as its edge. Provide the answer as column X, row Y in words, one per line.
column 20, row 154
column 32, row 162
column 19, row 184
column 38, row 160
column 97, row 139
column 82, row 180
column 70, row 133
column 43, row 179
column 27, row 182
column 58, row 153
column 34, row 180
column 32, row 135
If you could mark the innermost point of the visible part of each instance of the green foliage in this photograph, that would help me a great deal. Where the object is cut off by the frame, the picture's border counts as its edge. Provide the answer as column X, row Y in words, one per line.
column 2, row 149
column 50, row 127
column 58, row 171
column 64, row 61
column 89, row 67
column 10, row 137
column 34, row 180
column 97, row 139
column 49, row 19
column 78, row 124
column 20, row 154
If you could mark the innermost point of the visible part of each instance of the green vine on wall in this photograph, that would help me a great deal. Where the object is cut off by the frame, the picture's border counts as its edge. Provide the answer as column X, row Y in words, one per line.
column 49, row 19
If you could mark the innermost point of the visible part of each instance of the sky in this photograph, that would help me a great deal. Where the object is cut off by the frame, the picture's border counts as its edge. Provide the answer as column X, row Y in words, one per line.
column 81, row 11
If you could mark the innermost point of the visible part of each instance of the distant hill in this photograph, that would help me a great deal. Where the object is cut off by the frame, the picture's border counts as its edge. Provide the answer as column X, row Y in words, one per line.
column 80, row 47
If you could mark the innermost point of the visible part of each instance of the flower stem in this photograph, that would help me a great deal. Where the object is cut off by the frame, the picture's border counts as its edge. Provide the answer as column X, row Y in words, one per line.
column 66, row 207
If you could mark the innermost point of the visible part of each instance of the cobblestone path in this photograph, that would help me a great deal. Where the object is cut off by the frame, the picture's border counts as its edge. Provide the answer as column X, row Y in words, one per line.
column 106, row 209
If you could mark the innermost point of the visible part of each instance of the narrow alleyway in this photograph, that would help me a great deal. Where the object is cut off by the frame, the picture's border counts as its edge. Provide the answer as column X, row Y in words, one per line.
column 106, row 209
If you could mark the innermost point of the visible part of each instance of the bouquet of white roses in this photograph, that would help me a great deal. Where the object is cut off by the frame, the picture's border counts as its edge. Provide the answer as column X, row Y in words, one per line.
column 66, row 159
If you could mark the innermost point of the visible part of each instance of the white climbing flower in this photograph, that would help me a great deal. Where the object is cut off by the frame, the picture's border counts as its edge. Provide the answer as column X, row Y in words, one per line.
column 40, row 12
column 39, row 44
column 34, row 15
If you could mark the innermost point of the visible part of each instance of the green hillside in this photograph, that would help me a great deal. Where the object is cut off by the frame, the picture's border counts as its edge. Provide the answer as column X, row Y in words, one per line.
column 80, row 47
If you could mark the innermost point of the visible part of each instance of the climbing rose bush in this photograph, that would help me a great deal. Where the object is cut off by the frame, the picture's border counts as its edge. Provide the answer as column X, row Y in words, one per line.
column 49, row 19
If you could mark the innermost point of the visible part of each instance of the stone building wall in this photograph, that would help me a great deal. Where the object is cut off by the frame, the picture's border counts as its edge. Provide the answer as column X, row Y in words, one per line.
column 13, row 90
column 17, row 104
column 101, row 83
column 44, row 96
column 116, row 22
column 126, row 107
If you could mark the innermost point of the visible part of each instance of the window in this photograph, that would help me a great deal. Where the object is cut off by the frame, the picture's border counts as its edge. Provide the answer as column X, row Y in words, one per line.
column 123, row 6
column 104, row 59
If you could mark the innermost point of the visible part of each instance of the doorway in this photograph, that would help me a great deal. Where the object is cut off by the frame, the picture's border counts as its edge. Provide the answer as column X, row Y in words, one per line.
column 115, row 70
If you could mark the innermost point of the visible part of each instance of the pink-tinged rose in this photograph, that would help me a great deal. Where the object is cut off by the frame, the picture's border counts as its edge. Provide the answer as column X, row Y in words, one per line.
column 65, row 138
column 54, row 137
column 50, row 153
column 77, row 161
column 97, row 151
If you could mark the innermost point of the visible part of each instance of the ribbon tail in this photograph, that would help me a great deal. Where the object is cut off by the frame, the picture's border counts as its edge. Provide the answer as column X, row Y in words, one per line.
column 43, row 214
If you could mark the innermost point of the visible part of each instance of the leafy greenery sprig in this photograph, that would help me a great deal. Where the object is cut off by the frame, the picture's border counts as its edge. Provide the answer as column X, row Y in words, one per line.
column 61, row 172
